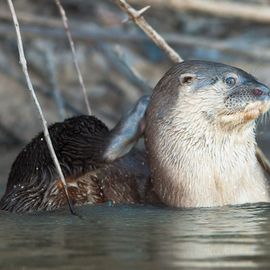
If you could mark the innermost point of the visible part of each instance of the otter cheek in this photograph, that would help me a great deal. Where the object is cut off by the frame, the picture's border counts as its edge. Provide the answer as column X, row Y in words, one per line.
column 241, row 110
column 237, row 102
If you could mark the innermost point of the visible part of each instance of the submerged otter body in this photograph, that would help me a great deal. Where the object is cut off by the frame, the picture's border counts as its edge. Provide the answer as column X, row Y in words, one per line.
column 34, row 184
column 199, row 131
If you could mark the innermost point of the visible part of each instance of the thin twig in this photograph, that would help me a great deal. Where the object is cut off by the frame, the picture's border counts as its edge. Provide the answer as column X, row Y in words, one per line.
column 74, row 55
column 137, row 18
column 31, row 89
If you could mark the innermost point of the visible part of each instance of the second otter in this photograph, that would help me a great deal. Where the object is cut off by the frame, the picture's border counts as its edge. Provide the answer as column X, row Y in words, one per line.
column 203, row 153
column 200, row 146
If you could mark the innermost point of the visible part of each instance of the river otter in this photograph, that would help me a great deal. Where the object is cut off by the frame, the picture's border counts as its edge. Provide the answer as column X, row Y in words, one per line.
column 80, row 143
column 202, row 154
column 199, row 131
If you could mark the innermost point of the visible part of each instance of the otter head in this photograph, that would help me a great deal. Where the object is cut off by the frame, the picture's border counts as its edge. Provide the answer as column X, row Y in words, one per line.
column 225, row 96
column 201, row 112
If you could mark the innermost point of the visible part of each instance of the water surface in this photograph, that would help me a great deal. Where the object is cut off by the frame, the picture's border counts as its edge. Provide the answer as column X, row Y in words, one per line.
column 137, row 237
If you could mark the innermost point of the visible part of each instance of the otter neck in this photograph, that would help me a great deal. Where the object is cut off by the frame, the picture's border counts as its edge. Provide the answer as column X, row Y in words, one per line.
column 196, row 164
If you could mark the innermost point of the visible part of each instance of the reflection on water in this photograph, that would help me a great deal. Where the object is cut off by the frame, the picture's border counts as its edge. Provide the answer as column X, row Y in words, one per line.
column 137, row 237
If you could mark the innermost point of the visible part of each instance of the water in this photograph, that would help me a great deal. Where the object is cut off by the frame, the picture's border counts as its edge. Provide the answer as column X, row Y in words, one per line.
column 137, row 237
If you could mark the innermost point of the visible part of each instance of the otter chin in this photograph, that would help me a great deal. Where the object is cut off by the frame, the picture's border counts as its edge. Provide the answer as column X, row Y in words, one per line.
column 200, row 136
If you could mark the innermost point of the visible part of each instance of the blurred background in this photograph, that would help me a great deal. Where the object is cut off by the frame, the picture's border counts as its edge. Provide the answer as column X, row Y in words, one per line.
column 233, row 32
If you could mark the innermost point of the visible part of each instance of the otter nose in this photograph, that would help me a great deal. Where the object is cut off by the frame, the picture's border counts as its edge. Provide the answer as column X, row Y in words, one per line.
column 261, row 92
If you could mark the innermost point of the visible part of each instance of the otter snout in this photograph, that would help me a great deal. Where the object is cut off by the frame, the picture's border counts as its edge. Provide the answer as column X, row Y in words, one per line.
column 247, row 94
column 246, row 103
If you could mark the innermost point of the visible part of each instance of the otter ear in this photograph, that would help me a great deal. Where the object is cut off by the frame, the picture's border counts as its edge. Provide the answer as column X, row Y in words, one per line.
column 187, row 78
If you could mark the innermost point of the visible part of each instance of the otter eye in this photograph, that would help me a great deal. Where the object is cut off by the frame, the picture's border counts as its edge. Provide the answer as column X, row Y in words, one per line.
column 230, row 81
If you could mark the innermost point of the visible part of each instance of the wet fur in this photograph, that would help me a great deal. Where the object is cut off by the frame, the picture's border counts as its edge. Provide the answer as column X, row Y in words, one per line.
column 79, row 142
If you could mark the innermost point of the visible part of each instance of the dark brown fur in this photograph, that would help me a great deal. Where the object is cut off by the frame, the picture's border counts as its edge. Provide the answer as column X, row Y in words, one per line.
column 33, row 183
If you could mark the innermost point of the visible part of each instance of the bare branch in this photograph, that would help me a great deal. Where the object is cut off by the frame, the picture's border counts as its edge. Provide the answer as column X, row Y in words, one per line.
column 137, row 18
column 31, row 89
column 74, row 55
